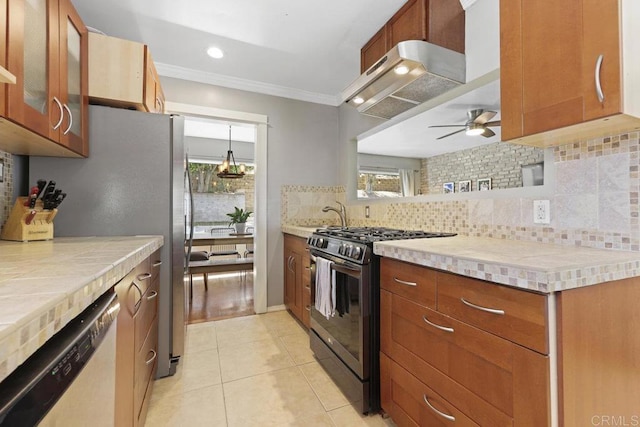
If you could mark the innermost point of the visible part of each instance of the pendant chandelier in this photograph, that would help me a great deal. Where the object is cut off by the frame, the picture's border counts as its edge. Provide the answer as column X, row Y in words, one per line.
column 228, row 168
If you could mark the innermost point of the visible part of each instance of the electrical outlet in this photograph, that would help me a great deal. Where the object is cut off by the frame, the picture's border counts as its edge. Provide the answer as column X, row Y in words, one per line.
column 541, row 212
column 367, row 212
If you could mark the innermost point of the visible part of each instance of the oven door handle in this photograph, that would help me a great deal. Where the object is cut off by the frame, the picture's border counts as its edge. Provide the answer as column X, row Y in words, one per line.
column 346, row 270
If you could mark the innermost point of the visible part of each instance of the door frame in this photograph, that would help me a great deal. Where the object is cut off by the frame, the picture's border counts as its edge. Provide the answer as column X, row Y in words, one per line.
column 260, row 233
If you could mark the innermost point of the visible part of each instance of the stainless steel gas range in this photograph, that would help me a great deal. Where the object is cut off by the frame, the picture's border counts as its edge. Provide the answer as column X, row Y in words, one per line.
column 345, row 307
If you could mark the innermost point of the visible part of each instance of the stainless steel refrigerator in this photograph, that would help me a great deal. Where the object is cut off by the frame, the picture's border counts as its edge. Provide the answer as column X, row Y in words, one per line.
column 133, row 183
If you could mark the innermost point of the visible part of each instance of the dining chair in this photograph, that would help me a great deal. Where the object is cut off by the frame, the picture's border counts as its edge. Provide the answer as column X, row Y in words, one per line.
column 198, row 256
column 223, row 250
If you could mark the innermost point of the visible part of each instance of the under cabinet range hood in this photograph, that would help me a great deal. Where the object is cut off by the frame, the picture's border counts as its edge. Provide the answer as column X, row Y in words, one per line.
column 411, row 73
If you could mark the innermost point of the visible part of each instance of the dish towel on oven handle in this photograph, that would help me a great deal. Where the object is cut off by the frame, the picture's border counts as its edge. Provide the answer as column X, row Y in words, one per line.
column 325, row 287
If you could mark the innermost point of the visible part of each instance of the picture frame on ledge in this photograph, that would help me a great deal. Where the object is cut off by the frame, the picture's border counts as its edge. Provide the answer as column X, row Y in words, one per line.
column 464, row 186
column 448, row 187
column 484, row 184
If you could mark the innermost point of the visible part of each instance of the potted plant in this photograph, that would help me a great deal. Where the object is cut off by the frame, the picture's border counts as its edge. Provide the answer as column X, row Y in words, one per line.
column 239, row 219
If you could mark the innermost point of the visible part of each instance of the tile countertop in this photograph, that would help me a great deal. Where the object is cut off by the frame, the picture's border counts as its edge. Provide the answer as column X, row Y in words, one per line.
column 529, row 265
column 298, row 230
column 45, row 284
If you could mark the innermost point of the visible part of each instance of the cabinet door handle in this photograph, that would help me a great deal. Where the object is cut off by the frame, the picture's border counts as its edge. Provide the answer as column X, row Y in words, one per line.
column 152, row 296
column 136, row 305
column 599, row 91
column 157, row 264
column 57, row 125
column 308, row 308
column 402, row 282
column 479, row 307
column 442, row 414
column 442, row 328
column 153, row 357
column 307, row 287
column 143, row 276
column 70, row 119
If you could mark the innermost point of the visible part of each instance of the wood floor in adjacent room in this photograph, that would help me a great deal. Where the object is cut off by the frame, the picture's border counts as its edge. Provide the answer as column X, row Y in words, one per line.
column 229, row 295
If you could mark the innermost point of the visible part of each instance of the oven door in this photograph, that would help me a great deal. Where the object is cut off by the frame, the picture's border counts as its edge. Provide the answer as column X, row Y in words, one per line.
column 346, row 333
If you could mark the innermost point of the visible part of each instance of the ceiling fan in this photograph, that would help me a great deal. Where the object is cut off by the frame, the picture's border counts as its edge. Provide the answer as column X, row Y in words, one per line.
column 477, row 124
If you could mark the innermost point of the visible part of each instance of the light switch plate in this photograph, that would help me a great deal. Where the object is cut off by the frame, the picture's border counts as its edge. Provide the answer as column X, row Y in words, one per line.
column 541, row 212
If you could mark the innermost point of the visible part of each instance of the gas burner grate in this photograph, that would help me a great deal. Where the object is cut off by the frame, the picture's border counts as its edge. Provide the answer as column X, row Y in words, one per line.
column 378, row 234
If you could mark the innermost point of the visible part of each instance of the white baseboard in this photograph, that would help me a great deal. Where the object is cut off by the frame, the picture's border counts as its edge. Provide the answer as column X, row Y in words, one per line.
column 276, row 308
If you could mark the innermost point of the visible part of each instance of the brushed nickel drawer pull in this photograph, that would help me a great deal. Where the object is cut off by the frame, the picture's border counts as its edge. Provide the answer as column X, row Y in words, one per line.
column 405, row 283
column 152, row 296
column 308, row 308
column 442, row 328
column 478, row 307
column 599, row 91
column 144, row 276
column 442, row 414
column 157, row 264
column 148, row 362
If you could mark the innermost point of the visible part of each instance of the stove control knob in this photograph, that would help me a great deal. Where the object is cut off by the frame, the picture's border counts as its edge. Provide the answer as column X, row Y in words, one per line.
column 350, row 249
column 322, row 243
column 342, row 250
column 311, row 241
column 356, row 252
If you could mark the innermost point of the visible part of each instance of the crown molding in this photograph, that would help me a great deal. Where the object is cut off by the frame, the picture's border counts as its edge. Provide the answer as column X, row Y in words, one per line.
column 182, row 73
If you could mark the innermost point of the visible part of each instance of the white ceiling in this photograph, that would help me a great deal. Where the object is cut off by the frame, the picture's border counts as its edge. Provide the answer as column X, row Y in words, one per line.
column 297, row 49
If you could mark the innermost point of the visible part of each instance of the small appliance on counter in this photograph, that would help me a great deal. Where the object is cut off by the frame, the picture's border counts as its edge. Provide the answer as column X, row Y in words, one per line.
column 32, row 217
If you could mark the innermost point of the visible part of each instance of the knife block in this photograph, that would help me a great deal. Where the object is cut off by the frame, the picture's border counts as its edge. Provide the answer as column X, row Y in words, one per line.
column 39, row 227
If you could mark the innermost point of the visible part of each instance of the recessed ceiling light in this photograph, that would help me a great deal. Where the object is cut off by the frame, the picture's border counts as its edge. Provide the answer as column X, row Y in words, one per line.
column 358, row 100
column 215, row 52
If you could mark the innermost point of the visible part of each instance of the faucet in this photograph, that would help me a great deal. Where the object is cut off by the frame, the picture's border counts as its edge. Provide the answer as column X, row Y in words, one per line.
column 342, row 213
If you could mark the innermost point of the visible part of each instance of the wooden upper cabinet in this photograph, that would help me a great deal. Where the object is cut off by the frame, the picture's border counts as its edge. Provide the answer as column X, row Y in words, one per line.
column 439, row 22
column 560, row 65
column 375, row 49
column 47, row 52
column 122, row 74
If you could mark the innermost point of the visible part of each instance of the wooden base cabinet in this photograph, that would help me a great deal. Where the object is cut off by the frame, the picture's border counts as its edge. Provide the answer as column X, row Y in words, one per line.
column 441, row 364
column 137, row 341
column 297, row 278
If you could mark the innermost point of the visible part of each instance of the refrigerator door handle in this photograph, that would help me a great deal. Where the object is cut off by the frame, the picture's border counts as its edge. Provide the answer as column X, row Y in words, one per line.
column 189, row 246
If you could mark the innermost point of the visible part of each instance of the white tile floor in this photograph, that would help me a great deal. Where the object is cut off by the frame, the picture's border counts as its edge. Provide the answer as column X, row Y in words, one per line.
column 251, row 371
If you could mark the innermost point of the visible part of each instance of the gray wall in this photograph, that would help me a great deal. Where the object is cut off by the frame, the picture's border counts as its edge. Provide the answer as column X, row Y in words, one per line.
column 301, row 150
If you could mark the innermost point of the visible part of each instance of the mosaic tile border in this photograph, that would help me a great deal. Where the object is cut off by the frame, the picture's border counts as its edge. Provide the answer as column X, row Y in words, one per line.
column 22, row 342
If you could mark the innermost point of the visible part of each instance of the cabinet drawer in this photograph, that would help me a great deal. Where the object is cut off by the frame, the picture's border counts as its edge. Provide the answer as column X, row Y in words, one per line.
column 516, row 315
column 411, row 281
column 415, row 404
column 479, row 361
column 146, row 314
column 146, row 364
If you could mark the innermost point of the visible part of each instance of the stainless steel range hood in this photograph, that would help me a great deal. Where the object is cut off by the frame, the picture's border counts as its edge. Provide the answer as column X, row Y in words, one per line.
column 430, row 70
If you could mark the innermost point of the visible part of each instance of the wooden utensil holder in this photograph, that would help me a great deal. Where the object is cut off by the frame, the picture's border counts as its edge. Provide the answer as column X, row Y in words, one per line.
column 39, row 226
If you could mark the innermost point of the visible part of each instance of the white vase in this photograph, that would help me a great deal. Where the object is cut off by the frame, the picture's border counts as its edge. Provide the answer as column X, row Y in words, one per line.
column 241, row 227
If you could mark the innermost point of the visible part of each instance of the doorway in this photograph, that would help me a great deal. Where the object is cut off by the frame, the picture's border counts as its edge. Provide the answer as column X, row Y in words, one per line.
column 248, row 289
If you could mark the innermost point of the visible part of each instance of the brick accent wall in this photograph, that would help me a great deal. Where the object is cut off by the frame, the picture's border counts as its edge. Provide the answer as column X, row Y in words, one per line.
column 499, row 161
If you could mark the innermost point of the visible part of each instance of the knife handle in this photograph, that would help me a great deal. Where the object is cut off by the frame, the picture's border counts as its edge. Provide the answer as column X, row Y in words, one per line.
column 30, row 217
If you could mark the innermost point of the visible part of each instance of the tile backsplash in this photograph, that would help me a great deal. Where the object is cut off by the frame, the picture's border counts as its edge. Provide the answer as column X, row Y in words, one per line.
column 6, row 186
column 595, row 203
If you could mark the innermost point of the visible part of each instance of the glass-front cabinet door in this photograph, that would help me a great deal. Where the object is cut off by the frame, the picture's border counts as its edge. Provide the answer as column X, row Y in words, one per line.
column 73, row 79
column 30, row 46
column 47, row 51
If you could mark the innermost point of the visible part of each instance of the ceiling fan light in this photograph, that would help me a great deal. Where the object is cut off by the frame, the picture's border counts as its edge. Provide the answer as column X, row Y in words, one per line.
column 474, row 131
